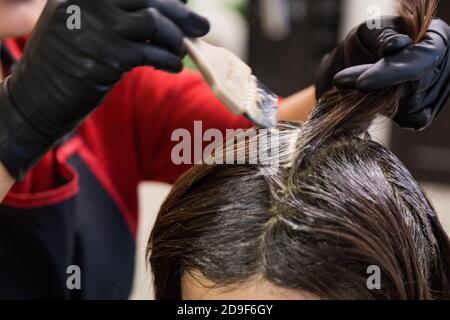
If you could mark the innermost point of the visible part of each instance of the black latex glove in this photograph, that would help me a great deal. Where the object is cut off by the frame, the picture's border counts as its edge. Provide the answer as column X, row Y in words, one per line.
column 64, row 74
column 382, row 58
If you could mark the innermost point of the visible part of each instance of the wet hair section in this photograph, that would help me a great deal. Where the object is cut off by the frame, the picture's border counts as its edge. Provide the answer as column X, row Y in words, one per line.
column 338, row 204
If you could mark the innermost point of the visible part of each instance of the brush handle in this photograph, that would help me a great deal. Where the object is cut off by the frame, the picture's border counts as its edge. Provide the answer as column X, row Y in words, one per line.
column 198, row 51
column 225, row 73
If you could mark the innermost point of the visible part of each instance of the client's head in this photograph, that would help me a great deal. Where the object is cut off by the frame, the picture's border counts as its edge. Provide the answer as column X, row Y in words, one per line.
column 338, row 209
column 301, row 231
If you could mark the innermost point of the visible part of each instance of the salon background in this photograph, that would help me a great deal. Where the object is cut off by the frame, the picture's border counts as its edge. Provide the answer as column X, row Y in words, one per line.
column 281, row 38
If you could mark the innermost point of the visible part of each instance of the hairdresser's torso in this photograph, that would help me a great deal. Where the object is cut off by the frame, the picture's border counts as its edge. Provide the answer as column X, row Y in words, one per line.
column 77, row 207
column 77, row 210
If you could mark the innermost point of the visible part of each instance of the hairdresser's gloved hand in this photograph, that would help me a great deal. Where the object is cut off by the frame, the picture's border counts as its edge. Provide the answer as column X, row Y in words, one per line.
column 65, row 74
column 371, row 60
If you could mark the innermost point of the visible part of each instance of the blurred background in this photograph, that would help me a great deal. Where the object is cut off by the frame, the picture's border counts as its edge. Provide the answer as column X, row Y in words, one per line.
column 284, row 42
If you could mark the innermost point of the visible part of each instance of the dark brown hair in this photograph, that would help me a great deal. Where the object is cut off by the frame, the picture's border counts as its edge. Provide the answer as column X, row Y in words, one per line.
column 337, row 204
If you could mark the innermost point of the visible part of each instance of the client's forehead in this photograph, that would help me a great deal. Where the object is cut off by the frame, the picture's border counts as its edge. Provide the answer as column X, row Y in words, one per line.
column 195, row 287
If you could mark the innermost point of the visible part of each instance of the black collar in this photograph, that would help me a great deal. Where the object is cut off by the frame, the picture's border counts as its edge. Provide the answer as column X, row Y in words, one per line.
column 6, row 57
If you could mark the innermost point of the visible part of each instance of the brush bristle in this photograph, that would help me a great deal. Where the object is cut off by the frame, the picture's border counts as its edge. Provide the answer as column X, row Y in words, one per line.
column 262, row 104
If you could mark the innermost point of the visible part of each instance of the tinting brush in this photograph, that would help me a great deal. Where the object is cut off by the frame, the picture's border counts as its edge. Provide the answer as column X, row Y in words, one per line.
column 234, row 84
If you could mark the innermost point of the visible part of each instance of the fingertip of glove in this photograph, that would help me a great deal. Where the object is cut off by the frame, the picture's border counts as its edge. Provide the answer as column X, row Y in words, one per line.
column 199, row 26
column 344, row 82
column 415, row 122
column 348, row 79
column 175, row 67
